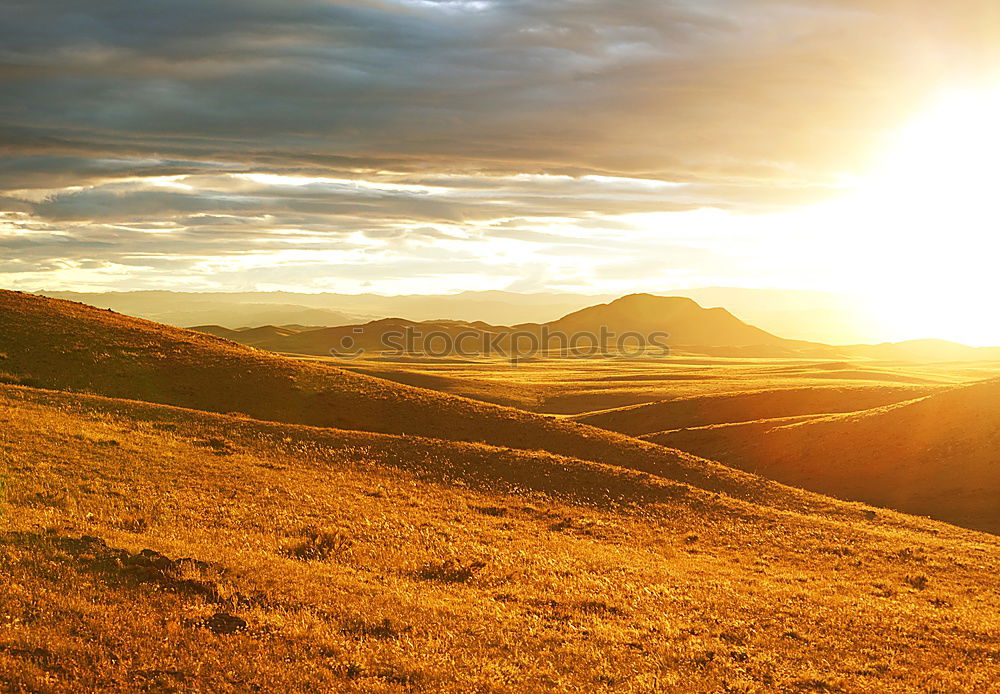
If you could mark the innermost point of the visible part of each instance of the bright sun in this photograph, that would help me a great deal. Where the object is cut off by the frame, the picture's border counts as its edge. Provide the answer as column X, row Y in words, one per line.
column 924, row 229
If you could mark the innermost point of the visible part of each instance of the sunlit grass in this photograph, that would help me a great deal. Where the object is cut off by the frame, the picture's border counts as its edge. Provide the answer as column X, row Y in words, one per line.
column 569, row 592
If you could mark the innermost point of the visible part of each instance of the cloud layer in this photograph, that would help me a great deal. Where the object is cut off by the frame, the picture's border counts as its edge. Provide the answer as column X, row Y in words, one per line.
column 395, row 134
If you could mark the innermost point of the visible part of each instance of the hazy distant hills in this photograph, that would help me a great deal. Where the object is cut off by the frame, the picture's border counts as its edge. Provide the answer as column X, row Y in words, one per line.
column 661, row 321
column 232, row 311
column 677, row 322
column 925, row 350
column 242, row 309
column 795, row 314
column 768, row 319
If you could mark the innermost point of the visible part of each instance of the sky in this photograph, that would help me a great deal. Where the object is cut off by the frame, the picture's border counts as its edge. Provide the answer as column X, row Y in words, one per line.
column 427, row 146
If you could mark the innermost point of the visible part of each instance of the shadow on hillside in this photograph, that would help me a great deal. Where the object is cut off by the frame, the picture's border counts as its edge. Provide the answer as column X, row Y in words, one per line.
column 120, row 568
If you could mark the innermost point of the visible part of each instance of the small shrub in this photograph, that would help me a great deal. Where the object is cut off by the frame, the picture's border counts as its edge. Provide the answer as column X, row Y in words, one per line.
column 133, row 524
column 449, row 571
column 316, row 544
column 918, row 581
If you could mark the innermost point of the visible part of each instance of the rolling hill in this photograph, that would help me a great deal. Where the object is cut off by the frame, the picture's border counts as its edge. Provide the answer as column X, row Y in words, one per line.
column 181, row 512
column 387, row 334
column 742, row 406
column 237, row 309
column 938, row 455
column 230, row 309
column 249, row 336
column 154, row 548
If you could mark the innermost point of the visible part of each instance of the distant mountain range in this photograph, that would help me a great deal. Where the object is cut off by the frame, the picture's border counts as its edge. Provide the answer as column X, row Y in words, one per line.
column 662, row 322
column 231, row 310
column 803, row 315
column 236, row 310
column 675, row 322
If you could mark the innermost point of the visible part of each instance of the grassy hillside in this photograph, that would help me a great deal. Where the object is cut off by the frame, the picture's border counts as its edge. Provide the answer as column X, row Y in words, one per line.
column 581, row 386
column 148, row 548
column 938, row 455
column 742, row 406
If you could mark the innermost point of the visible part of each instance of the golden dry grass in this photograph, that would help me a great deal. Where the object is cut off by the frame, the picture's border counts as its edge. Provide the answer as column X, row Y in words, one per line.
column 938, row 455
column 444, row 545
column 747, row 405
column 469, row 568
column 577, row 386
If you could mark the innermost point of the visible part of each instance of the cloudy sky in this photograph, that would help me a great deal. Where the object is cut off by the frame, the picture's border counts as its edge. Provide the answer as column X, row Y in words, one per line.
column 435, row 145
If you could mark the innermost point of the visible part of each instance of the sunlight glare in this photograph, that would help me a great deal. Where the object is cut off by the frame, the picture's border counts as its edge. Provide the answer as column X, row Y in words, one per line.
column 922, row 232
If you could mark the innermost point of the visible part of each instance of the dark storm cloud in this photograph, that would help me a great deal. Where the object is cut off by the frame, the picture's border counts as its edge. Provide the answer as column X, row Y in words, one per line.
column 30, row 172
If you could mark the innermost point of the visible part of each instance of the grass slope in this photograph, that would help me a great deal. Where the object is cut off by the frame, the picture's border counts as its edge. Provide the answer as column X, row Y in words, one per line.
column 149, row 548
column 747, row 405
column 937, row 456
